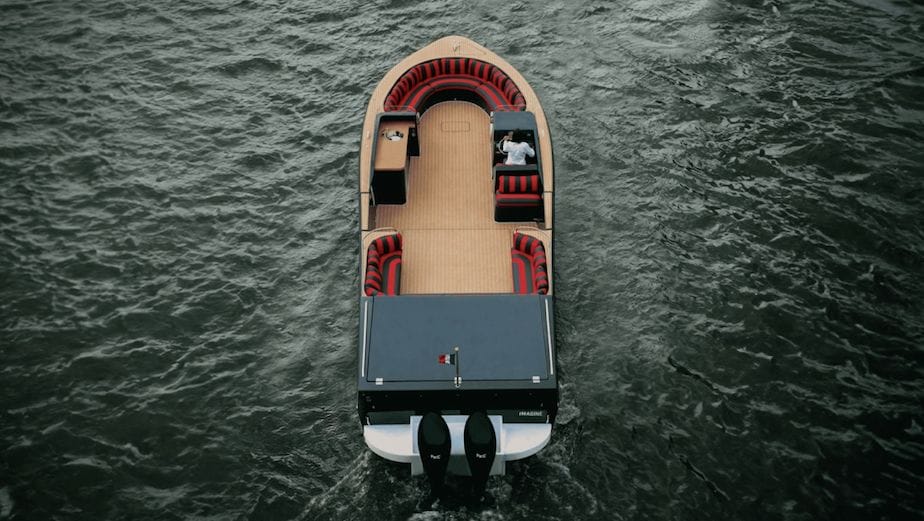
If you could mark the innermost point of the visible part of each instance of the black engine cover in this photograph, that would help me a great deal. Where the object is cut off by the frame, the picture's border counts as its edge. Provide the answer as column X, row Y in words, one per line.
column 480, row 446
column 435, row 444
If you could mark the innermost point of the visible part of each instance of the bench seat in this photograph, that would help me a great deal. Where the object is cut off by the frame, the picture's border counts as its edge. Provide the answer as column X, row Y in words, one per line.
column 383, row 266
column 530, row 269
column 491, row 84
column 518, row 195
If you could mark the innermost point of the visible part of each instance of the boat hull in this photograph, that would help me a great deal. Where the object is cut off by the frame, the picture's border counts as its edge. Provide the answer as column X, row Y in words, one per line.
column 457, row 359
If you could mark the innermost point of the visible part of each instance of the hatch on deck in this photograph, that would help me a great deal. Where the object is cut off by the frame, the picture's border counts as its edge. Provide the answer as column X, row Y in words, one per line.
column 500, row 338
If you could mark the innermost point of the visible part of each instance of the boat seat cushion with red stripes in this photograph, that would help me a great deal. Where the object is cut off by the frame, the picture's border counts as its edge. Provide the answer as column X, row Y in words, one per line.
column 523, row 281
column 419, row 82
column 530, row 269
column 383, row 266
column 519, row 200
column 519, row 184
column 518, row 191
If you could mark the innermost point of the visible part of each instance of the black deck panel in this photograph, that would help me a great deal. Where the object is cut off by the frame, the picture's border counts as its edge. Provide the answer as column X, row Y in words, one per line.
column 504, row 121
column 501, row 337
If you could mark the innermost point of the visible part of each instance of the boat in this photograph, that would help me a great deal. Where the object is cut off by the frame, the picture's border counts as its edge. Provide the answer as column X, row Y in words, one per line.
column 457, row 360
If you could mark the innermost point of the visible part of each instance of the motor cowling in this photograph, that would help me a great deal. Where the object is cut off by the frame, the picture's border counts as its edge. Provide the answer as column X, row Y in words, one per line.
column 434, row 443
column 480, row 447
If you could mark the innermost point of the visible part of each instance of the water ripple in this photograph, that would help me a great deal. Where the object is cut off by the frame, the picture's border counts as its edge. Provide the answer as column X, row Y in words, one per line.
column 738, row 276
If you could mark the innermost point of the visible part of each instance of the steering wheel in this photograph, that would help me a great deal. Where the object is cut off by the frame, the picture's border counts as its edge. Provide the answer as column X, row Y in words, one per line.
column 500, row 145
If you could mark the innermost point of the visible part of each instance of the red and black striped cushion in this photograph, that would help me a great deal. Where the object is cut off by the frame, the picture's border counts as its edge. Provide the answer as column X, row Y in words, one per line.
column 415, row 97
column 542, row 282
column 518, row 184
column 383, row 266
column 523, row 281
column 508, row 200
column 422, row 91
column 387, row 243
column 485, row 79
column 455, row 65
column 391, row 273
column 529, row 250
column 481, row 70
column 373, row 282
column 526, row 243
column 539, row 257
column 493, row 97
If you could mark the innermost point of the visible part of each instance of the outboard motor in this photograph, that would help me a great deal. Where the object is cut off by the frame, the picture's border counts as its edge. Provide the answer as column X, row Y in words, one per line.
column 434, row 443
column 480, row 448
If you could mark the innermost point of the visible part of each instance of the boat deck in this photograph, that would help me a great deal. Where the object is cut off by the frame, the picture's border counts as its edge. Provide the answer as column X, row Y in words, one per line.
column 451, row 242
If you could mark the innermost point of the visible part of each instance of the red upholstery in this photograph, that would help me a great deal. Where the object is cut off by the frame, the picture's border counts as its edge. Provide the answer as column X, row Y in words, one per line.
column 503, row 200
column 421, row 81
column 530, row 270
column 518, row 184
column 383, row 266
column 518, row 197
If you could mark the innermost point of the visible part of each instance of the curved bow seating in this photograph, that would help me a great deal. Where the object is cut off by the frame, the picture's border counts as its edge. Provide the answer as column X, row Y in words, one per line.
column 420, row 82
column 383, row 266
column 530, row 271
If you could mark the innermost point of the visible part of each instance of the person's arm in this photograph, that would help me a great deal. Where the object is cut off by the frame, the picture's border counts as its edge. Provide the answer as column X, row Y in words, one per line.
column 506, row 147
column 530, row 151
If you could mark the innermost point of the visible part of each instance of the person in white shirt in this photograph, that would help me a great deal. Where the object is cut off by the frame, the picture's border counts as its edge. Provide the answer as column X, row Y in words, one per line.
column 516, row 152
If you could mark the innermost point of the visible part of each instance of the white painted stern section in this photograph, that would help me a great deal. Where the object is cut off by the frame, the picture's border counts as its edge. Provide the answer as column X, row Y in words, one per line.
column 515, row 441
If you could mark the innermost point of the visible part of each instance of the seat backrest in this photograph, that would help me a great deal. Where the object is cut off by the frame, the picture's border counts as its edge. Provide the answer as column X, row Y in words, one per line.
column 376, row 282
column 527, row 183
column 533, row 247
column 486, row 73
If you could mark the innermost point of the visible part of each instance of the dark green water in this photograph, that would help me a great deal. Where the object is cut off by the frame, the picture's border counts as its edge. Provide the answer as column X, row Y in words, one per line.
column 740, row 218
